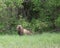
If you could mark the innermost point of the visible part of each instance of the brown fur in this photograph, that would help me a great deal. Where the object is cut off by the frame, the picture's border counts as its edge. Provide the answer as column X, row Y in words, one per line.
column 22, row 31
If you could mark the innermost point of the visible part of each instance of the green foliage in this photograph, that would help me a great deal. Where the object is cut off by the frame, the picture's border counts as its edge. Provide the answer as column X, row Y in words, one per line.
column 44, row 14
column 57, row 21
column 45, row 40
column 39, row 26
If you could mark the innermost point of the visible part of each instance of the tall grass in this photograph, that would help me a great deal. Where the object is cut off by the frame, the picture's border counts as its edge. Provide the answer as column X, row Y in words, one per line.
column 45, row 40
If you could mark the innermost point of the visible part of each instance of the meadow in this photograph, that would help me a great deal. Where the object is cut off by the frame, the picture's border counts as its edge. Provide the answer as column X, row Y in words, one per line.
column 45, row 40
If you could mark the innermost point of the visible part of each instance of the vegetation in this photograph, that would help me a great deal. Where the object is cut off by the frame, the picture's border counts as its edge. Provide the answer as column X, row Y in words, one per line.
column 46, row 40
column 36, row 15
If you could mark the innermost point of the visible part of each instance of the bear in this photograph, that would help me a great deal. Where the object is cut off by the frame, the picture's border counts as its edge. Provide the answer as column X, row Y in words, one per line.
column 22, row 31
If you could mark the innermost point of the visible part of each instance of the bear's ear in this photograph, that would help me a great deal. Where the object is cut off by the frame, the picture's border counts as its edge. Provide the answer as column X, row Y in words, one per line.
column 19, row 25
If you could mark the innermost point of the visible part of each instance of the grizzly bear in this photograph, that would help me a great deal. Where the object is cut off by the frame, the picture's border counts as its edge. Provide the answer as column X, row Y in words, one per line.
column 22, row 31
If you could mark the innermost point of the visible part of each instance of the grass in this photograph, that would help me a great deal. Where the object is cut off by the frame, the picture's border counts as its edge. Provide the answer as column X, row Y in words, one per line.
column 45, row 40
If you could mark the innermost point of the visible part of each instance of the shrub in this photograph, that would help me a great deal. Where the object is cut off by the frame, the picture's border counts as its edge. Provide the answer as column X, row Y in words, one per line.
column 57, row 22
column 39, row 26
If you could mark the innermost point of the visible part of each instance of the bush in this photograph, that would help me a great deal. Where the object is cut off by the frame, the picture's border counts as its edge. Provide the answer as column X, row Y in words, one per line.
column 57, row 22
column 39, row 26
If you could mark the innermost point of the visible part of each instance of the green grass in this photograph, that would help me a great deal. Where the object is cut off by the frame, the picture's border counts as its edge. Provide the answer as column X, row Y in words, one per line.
column 45, row 40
